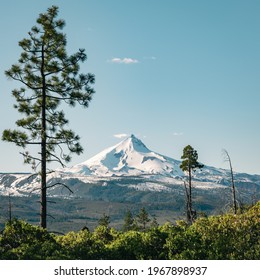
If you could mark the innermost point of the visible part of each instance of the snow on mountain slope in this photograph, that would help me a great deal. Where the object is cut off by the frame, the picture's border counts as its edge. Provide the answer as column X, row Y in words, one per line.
column 128, row 165
column 129, row 157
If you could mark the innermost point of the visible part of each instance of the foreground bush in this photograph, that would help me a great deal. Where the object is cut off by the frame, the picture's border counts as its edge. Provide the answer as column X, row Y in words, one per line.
column 80, row 245
column 218, row 237
column 21, row 240
column 231, row 236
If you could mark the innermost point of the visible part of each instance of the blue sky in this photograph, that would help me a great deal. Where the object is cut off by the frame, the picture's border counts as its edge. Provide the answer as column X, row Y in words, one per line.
column 172, row 72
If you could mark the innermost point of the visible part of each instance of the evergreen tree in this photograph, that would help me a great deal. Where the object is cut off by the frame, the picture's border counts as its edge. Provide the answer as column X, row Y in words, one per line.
column 104, row 221
column 190, row 163
column 143, row 218
column 129, row 221
column 49, row 78
column 154, row 223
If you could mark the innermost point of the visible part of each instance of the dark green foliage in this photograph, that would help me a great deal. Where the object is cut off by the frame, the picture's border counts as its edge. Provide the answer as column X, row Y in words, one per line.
column 129, row 222
column 49, row 78
column 45, row 68
column 104, row 220
column 189, row 164
column 217, row 237
column 103, row 231
column 154, row 223
column 80, row 245
column 21, row 240
column 190, row 159
column 143, row 219
column 128, row 246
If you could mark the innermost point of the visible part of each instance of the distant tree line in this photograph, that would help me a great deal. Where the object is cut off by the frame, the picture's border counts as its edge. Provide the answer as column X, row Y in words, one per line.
column 141, row 222
column 223, row 237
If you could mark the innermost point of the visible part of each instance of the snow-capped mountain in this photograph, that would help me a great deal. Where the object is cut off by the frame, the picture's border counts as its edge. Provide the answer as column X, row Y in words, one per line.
column 127, row 175
column 129, row 157
column 119, row 171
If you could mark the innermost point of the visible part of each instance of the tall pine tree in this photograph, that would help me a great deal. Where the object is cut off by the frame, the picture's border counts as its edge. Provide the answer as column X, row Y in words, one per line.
column 190, row 163
column 49, row 78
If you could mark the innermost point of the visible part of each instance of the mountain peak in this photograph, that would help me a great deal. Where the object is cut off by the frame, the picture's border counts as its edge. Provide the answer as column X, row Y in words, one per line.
column 132, row 136
column 132, row 143
column 129, row 157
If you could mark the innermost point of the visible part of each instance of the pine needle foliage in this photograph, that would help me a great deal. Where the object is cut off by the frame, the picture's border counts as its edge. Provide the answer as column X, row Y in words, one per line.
column 49, row 77
column 190, row 164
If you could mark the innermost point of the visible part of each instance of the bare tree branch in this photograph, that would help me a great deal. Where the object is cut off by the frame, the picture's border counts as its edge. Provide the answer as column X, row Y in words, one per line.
column 228, row 159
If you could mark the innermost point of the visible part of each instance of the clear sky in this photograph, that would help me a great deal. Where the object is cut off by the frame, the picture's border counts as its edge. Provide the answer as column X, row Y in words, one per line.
column 172, row 72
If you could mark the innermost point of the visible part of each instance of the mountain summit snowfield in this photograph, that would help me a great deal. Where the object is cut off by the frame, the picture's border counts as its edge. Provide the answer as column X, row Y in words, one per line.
column 129, row 170
column 129, row 157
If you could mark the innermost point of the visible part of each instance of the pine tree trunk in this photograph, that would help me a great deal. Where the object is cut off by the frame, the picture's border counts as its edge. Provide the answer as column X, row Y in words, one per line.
column 190, row 198
column 10, row 208
column 187, row 202
column 43, row 212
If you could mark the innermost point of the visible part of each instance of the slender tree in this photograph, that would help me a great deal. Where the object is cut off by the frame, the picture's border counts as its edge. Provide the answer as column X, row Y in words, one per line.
column 104, row 220
column 143, row 218
column 129, row 221
column 190, row 164
column 49, row 78
column 10, row 208
column 154, row 224
column 234, row 200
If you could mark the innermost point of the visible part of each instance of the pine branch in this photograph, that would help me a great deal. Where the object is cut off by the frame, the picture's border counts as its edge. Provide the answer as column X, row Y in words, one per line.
column 57, row 159
column 45, row 69
column 20, row 79
column 63, row 185
column 26, row 99
column 30, row 157
column 49, row 215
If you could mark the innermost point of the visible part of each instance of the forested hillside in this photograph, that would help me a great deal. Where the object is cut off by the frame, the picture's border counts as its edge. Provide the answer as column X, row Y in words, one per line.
column 226, row 236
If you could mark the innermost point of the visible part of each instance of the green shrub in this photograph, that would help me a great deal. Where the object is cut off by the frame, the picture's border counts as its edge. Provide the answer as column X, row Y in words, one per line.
column 21, row 240
column 80, row 245
column 231, row 236
column 218, row 237
column 128, row 246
